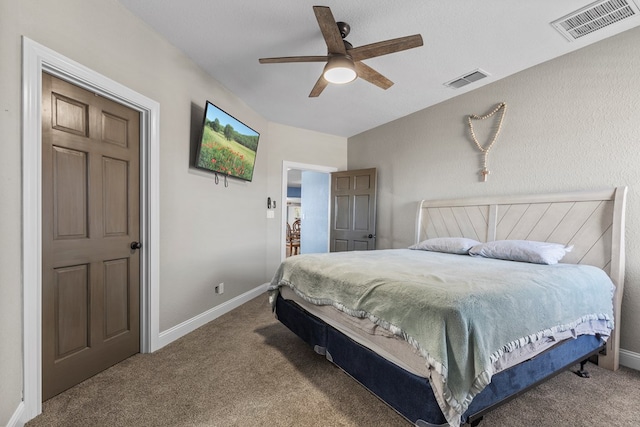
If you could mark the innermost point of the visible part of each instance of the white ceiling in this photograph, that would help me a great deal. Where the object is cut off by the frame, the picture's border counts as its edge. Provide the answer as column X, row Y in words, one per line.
column 226, row 38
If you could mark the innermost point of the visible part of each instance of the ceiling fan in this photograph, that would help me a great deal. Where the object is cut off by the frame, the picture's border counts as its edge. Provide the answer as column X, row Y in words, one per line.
column 344, row 62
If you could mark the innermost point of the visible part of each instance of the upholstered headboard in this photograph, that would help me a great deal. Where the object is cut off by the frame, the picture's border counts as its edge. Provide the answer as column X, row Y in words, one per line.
column 592, row 221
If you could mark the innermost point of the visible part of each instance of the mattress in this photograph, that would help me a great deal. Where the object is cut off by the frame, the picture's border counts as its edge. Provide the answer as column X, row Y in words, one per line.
column 398, row 351
column 411, row 395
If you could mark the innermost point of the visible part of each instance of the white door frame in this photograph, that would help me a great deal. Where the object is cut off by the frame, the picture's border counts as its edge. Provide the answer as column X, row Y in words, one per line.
column 36, row 59
column 286, row 165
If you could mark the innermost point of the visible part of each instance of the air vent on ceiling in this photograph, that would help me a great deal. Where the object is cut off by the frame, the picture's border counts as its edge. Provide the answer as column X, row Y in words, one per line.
column 471, row 77
column 594, row 17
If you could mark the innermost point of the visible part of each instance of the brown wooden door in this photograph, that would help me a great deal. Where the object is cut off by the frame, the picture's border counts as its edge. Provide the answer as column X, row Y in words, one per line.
column 353, row 210
column 90, row 217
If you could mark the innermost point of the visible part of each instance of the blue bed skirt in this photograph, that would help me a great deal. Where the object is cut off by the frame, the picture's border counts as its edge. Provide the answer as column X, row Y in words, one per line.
column 411, row 395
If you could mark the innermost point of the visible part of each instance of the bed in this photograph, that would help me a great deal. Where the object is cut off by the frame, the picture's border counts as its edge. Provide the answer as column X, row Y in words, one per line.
column 428, row 331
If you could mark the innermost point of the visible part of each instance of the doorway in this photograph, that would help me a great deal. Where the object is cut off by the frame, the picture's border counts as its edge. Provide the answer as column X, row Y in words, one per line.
column 293, row 177
column 36, row 59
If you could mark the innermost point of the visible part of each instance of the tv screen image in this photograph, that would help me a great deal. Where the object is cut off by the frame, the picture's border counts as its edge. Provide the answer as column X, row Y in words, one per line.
column 227, row 145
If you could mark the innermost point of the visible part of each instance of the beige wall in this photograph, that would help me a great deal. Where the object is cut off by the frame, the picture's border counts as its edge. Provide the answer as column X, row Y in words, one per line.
column 10, row 213
column 571, row 124
column 298, row 146
column 208, row 233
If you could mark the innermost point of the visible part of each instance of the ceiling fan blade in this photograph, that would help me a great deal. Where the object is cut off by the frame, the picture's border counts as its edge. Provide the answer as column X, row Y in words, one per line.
column 372, row 76
column 385, row 47
column 283, row 59
column 319, row 87
column 329, row 30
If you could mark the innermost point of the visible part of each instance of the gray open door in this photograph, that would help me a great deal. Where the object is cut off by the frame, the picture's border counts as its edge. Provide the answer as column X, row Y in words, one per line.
column 353, row 210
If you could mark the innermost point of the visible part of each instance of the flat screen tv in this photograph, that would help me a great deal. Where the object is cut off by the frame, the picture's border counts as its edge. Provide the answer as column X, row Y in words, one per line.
column 227, row 145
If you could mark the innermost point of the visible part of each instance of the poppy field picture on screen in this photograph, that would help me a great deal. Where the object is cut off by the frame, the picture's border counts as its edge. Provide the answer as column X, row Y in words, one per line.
column 228, row 146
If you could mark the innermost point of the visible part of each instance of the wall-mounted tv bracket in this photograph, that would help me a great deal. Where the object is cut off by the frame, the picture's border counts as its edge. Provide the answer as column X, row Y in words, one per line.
column 217, row 180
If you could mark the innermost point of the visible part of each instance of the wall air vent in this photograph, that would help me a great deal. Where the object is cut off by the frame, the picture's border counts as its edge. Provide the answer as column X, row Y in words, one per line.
column 471, row 77
column 594, row 17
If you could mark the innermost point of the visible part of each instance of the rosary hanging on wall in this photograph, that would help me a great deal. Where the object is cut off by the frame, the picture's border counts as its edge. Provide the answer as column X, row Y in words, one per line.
column 486, row 148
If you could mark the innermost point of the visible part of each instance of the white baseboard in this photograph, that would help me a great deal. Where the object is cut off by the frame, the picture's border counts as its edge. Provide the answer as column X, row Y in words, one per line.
column 16, row 420
column 172, row 334
column 630, row 359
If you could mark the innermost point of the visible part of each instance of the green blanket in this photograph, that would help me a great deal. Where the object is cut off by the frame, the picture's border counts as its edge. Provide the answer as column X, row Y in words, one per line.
column 462, row 313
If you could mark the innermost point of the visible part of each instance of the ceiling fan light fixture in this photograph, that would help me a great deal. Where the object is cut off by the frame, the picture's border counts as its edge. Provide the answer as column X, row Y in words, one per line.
column 343, row 61
column 339, row 70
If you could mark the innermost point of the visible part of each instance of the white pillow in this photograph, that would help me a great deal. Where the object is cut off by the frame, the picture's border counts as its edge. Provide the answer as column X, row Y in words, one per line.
column 522, row 250
column 450, row 245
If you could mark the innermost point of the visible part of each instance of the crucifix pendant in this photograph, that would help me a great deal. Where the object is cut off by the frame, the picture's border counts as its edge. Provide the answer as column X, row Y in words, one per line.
column 485, row 172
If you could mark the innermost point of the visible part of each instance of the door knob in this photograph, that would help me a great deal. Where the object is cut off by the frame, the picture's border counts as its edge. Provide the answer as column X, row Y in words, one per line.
column 136, row 245
column 371, row 236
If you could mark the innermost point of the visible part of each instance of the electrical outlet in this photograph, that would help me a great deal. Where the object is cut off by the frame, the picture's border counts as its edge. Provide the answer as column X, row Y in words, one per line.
column 220, row 288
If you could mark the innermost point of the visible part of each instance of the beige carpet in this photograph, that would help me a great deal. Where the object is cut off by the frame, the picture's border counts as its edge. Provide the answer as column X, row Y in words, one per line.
column 246, row 369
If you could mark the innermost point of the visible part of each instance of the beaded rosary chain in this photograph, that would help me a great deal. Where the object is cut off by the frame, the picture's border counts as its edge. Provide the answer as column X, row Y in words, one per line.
column 501, row 106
